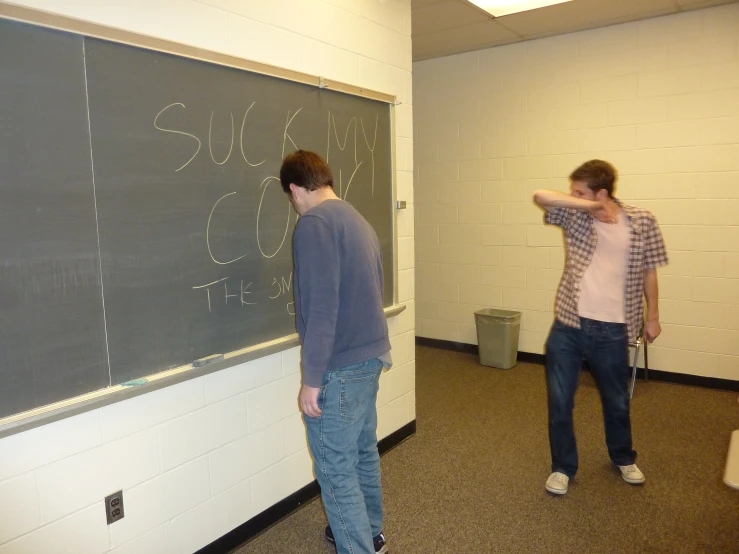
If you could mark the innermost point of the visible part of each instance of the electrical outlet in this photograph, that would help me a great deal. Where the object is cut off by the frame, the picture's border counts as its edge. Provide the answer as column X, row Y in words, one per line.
column 114, row 507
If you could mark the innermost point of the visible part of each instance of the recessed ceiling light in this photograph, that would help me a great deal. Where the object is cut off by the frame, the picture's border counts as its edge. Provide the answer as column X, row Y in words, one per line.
column 499, row 8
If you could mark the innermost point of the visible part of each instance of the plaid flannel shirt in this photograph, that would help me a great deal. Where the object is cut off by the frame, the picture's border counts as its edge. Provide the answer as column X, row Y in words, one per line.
column 646, row 251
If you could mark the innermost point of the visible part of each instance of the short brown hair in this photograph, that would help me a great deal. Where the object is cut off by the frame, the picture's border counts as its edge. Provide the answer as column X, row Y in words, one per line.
column 597, row 175
column 307, row 170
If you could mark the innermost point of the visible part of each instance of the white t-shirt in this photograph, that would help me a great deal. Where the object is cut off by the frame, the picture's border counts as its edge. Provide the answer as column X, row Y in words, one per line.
column 603, row 285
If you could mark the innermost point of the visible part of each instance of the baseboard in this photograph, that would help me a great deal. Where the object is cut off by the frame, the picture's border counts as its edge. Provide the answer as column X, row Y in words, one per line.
column 654, row 374
column 690, row 380
column 258, row 524
column 447, row 345
column 397, row 437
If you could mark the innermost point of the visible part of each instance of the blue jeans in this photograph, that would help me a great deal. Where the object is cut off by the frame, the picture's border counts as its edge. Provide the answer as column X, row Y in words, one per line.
column 605, row 347
column 343, row 442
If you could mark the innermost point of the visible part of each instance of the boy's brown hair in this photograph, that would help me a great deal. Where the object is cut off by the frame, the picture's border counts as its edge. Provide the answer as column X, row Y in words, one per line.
column 597, row 175
column 307, row 170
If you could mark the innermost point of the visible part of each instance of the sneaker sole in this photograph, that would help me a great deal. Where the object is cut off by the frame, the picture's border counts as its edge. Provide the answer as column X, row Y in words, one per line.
column 558, row 492
column 329, row 540
column 634, row 481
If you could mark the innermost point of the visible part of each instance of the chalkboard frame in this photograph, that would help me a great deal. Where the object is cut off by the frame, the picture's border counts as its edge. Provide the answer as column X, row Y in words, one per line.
column 43, row 415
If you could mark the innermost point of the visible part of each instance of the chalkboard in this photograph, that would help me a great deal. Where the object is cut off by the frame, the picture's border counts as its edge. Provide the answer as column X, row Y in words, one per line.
column 144, row 225
column 52, row 329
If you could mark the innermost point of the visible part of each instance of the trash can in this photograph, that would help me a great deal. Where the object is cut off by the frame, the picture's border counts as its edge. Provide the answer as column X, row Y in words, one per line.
column 497, row 337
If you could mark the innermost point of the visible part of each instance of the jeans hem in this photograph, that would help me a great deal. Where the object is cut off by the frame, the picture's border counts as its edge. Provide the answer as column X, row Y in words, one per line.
column 568, row 473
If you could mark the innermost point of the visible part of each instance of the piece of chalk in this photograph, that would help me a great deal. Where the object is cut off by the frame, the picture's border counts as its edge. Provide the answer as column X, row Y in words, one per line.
column 207, row 360
column 136, row 383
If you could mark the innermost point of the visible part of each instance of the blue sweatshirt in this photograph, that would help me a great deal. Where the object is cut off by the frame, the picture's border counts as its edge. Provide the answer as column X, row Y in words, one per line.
column 338, row 290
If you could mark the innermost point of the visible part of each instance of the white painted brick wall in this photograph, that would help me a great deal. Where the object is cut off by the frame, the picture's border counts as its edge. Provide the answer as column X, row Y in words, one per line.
column 198, row 459
column 659, row 99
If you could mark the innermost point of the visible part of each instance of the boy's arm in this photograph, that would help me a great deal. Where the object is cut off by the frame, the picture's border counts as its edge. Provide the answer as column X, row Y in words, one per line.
column 550, row 200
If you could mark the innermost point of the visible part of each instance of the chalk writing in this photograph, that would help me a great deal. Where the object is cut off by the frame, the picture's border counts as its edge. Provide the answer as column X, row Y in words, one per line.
column 277, row 288
column 343, row 192
column 178, row 133
column 241, row 138
column 225, row 286
column 286, row 136
column 207, row 289
column 371, row 148
column 274, row 284
column 283, row 287
column 207, row 232
column 265, row 184
column 210, row 139
column 245, row 291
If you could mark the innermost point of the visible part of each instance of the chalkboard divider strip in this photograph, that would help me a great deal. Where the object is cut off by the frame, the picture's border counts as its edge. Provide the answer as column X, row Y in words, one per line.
column 85, row 28
column 394, row 184
column 43, row 415
column 97, row 224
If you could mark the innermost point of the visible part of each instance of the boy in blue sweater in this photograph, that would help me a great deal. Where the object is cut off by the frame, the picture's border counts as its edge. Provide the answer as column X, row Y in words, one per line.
column 345, row 345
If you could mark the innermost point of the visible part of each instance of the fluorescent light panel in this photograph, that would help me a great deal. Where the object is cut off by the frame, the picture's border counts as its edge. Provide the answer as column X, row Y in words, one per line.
column 499, row 8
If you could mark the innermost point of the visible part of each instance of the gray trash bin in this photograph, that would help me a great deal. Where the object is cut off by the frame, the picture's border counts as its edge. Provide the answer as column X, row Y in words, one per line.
column 497, row 337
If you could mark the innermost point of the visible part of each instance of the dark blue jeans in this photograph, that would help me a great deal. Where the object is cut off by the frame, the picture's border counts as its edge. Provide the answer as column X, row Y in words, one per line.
column 605, row 347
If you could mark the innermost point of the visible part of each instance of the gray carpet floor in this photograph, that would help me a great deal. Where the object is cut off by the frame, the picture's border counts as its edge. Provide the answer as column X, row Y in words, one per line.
column 472, row 478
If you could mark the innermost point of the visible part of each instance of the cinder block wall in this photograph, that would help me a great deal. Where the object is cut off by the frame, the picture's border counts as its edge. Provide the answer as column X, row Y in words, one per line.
column 659, row 99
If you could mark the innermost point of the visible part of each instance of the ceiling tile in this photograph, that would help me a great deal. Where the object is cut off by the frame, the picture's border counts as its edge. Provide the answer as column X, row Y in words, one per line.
column 461, row 39
column 445, row 27
column 420, row 3
column 583, row 14
column 445, row 15
column 695, row 4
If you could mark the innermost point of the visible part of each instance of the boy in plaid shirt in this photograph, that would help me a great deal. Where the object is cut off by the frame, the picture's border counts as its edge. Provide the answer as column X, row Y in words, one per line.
column 613, row 252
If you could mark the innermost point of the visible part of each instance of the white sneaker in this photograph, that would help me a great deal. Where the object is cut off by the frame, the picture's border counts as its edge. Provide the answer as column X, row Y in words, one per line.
column 631, row 474
column 558, row 483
